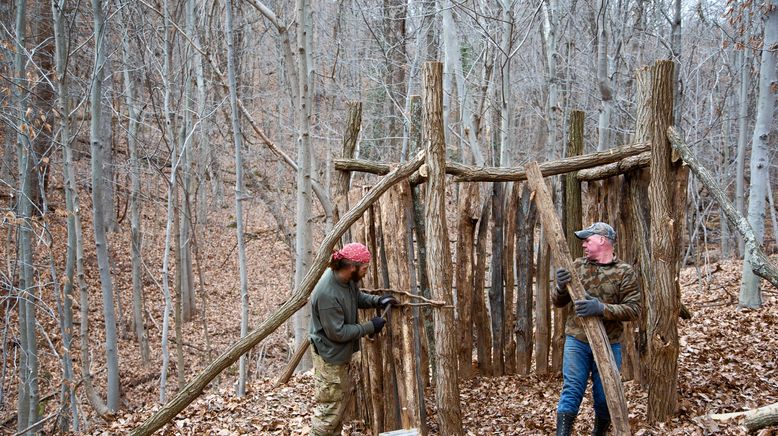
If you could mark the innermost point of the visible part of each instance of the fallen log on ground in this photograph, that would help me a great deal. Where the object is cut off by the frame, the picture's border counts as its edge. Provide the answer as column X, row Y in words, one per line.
column 760, row 264
column 753, row 420
column 195, row 387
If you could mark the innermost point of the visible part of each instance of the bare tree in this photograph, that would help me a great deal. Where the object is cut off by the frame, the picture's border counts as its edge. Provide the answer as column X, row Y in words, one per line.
column 750, row 293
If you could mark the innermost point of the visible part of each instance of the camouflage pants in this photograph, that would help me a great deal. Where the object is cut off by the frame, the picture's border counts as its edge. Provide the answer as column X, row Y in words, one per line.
column 333, row 389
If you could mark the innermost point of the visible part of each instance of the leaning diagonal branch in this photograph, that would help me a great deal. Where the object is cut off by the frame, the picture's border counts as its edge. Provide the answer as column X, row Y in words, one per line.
column 760, row 264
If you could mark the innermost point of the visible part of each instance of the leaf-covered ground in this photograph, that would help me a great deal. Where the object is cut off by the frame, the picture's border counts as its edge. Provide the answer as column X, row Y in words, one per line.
column 727, row 363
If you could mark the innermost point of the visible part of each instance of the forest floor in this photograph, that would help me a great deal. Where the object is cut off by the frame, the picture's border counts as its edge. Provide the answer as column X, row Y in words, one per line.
column 728, row 362
column 728, row 357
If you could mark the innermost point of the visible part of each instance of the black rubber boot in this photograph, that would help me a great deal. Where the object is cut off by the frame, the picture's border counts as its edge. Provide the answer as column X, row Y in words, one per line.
column 601, row 426
column 564, row 423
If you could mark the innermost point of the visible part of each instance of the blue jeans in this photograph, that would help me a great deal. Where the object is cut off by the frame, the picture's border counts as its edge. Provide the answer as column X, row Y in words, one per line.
column 577, row 364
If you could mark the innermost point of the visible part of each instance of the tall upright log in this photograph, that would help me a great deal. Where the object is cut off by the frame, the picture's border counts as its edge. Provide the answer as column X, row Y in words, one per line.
column 496, row 291
column 572, row 220
column 542, row 307
column 635, row 236
column 468, row 217
column 373, row 348
column 509, row 266
column 664, row 302
column 480, row 316
column 593, row 327
column 526, row 217
column 438, row 253
column 394, row 206
column 350, row 136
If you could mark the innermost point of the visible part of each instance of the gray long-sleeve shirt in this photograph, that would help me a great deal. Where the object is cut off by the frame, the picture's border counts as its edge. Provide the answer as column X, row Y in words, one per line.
column 334, row 328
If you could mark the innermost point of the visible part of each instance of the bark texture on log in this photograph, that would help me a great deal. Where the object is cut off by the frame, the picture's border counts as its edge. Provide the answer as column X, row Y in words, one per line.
column 439, row 253
column 468, row 217
column 595, row 332
column 625, row 165
column 663, row 299
column 525, row 243
column 395, row 205
column 509, row 266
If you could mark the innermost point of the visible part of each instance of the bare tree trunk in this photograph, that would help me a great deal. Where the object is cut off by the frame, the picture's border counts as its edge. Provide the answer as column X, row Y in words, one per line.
column 604, row 80
column 98, row 211
column 237, row 138
column 453, row 50
column 750, row 293
column 136, row 231
column 174, row 159
column 439, row 256
column 27, row 401
column 742, row 139
column 61, row 57
column 303, row 111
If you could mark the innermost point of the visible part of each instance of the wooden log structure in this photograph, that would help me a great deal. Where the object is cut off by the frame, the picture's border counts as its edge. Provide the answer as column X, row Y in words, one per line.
column 469, row 173
column 595, row 331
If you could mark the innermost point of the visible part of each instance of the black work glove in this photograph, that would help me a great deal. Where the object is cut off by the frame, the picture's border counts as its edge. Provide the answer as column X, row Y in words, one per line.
column 378, row 324
column 563, row 277
column 386, row 300
column 589, row 307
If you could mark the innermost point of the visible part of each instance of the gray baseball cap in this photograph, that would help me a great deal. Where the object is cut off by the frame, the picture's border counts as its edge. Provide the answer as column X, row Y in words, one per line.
column 597, row 228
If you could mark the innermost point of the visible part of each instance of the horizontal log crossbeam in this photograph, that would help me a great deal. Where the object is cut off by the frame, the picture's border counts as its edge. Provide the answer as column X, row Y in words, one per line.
column 470, row 173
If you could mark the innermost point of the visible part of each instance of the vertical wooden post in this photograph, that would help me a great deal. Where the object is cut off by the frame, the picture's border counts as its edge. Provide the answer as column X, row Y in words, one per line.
column 509, row 266
column 424, row 318
column 480, row 317
column 664, row 302
column 393, row 217
column 468, row 216
column 525, row 242
column 350, row 136
column 542, row 306
column 496, row 291
column 438, row 253
column 595, row 332
column 373, row 346
column 572, row 221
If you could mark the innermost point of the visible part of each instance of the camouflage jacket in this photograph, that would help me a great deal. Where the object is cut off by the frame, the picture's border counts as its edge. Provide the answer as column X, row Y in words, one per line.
column 614, row 284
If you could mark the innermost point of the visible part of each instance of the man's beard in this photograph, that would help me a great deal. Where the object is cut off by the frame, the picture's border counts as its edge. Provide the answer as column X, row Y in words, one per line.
column 355, row 277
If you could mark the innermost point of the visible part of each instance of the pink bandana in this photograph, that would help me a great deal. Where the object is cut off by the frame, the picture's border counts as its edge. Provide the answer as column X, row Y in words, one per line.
column 354, row 252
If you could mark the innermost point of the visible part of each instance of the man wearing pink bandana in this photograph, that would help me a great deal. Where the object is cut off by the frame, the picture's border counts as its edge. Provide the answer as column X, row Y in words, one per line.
column 335, row 332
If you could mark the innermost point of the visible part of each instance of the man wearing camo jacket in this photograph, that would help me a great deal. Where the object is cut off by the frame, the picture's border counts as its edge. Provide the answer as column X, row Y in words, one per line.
column 612, row 294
